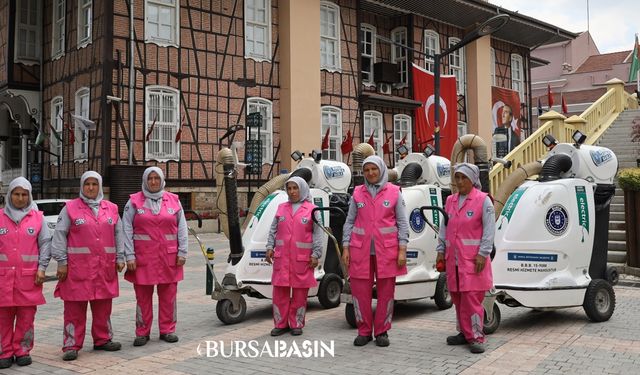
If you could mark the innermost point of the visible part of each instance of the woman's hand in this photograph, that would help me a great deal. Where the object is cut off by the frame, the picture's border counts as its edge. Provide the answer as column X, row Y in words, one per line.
column 62, row 272
column 313, row 262
column 269, row 256
column 131, row 265
column 402, row 256
column 345, row 256
column 39, row 277
column 120, row 266
column 180, row 261
column 480, row 261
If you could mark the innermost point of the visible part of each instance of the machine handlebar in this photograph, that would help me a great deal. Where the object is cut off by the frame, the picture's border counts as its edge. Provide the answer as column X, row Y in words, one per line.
column 442, row 211
column 334, row 209
column 198, row 217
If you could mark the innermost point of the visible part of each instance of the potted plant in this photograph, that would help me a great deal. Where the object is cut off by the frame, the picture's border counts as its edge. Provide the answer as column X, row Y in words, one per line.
column 629, row 182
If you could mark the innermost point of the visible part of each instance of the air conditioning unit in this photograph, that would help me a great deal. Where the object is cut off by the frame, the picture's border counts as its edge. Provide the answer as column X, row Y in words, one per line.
column 384, row 88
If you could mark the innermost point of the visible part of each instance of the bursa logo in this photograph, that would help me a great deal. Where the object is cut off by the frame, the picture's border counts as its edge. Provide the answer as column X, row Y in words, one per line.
column 444, row 170
column 600, row 157
column 333, row 172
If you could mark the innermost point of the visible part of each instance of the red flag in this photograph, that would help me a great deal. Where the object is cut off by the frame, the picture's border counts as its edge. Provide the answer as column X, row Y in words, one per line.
column 565, row 108
column 385, row 147
column 549, row 96
column 179, row 133
column 72, row 135
column 153, row 125
column 423, row 87
column 403, row 140
column 347, row 144
column 371, row 141
column 325, row 140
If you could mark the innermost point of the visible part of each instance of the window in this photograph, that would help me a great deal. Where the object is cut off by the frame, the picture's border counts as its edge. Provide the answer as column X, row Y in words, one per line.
column 373, row 124
column 431, row 47
column 368, row 41
column 27, row 31
column 84, row 22
column 162, row 123
column 332, row 119
column 55, row 138
column 81, row 145
column 517, row 76
column 493, row 66
column 399, row 54
column 257, row 29
column 456, row 66
column 57, row 43
column 401, row 133
column 462, row 128
column 161, row 22
column 329, row 36
column 266, row 130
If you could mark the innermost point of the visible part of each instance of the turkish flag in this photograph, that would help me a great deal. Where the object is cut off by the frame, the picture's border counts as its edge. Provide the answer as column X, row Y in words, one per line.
column 325, row 140
column 423, row 91
column 549, row 96
column 371, row 141
column 565, row 108
column 347, row 144
column 501, row 97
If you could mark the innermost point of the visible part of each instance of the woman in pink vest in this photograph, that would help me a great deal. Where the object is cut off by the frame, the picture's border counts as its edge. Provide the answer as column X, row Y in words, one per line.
column 375, row 237
column 24, row 256
column 294, row 246
column 155, row 248
column 465, row 244
column 87, row 244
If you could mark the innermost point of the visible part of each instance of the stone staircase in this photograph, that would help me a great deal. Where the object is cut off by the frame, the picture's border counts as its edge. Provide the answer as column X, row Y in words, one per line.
column 618, row 139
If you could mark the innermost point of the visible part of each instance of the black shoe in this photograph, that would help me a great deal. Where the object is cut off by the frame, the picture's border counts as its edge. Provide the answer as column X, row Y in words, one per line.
column 25, row 360
column 382, row 339
column 296, row 331
column 169, row 337
column 70, row 355
column 476, row 347
column 140, row 340
column 362, row 340
column 6, row 362
column 456, row 340
column 109, row 346
column 278, row 331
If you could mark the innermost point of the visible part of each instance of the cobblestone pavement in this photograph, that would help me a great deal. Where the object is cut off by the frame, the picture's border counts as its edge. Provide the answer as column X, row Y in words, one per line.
column 527, row 342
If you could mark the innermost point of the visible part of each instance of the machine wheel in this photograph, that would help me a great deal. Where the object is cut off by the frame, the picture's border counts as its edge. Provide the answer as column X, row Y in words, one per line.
column 330, row 290
column 350, row 315
column 599, row 301
column 490, row 326
column 612, row 275
column 442, row 297
column 227, row 314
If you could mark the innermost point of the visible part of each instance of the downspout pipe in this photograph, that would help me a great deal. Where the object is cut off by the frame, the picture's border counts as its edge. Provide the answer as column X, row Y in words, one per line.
column 132, row 82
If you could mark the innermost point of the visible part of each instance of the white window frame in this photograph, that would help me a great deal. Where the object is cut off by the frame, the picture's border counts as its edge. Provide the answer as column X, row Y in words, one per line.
column 399, row 54
column 373, row 121
column 26, row 29
column 161, row 145
column 370, row 30
column 58, row 28
column 462, row 128
column 517, row 75
column 174, row 10
column 401, row 127
column 82, row 109
column 431, row 47
column 331, row 117
column 253, row 24
column 57, row 116
column 265, row 107
column 493, row 66
column 85, row 26
column 330, row 61
column 456, row 66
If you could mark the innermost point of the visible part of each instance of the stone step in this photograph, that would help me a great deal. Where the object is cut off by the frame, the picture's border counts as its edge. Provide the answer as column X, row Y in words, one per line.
column 617, row 235
column 617, row 207
column 616, row 216
column 617, row 225
column 617, row 246
column 616, row 256
column 618, row 199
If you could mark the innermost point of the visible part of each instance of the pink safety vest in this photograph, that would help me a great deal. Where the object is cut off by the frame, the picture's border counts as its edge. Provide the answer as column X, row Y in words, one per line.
column 19, row 260
column 155, row 242
column 293, row 247
column 91, row 253
column 376, row 219
column 464, row 232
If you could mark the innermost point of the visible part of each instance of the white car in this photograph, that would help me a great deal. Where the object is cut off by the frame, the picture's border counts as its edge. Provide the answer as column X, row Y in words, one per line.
column 51, row 209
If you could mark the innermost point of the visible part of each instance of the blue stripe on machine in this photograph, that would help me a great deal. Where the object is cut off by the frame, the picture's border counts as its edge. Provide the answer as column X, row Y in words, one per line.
column 412, row 254
column 258, row 254
column 533, row 257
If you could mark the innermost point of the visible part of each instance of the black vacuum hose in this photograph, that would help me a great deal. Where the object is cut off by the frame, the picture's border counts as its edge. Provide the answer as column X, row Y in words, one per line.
column 410, row 174
column 554, row 166
column 304, row 173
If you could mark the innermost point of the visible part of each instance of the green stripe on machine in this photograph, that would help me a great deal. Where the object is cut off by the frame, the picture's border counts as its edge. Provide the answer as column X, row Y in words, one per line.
column 512, row 202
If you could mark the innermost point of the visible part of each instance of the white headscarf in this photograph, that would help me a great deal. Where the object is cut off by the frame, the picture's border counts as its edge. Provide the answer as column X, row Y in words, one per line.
column 471, row 171
column 17, row 214
column 153, row 200
column 303, row 188
column 93, row 203
column 377, row 161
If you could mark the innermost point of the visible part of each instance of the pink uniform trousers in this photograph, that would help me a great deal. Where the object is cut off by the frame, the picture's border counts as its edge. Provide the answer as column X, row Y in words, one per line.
column 16, row 340
column 362, row 295
column 75, row 321
column 289, row 311
column 167, row 308
column 469, row 314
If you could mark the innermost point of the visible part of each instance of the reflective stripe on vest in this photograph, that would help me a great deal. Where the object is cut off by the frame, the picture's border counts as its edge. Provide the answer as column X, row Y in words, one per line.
column 387, row 230
column 3, row 257
column 304, row 245
column 470, row 242
column 78, row 250
column 141, row 237
column 171, row 237
column 109, row 250
column 279, row 242
column 29, row 258
column 359, row 231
